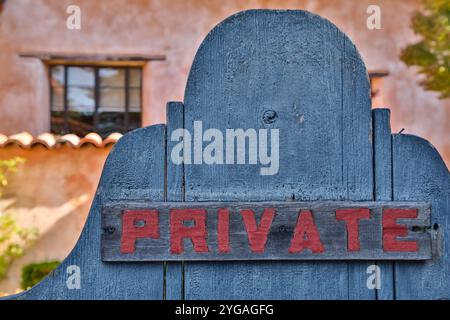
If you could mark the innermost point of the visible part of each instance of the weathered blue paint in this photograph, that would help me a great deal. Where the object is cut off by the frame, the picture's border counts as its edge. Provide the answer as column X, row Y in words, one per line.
column 420, row 173
column 304, row 69
column 307, row 71
column 175, row 192
column 382, row 146
column 133, row 171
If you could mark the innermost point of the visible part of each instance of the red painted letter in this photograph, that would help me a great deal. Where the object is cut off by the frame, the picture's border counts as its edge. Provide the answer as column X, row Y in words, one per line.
column 223, row 235
column 306, row 235
column 352, row 217
column 392, row 230
column 178, row 231
column 131, row 232
column 257, row 236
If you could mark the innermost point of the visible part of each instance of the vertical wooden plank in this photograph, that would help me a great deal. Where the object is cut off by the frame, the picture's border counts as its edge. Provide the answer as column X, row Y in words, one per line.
column 383, row 187
column 357, row 151
column 419, row 173
column 133, row 171
column 175, row 192
column 314, row 83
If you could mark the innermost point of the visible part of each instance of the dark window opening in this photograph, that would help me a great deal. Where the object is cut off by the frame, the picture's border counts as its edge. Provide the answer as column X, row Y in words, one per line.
column 97, row 99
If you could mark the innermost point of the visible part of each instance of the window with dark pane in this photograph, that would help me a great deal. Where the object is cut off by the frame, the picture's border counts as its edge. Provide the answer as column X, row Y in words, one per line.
column 95, row 99
column 135, row 98
column 112, row 96
column 57, row 87
column 80, row 100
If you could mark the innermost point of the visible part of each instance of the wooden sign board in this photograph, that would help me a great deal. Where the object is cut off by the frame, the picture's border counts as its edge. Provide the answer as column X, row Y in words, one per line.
column 266, row 231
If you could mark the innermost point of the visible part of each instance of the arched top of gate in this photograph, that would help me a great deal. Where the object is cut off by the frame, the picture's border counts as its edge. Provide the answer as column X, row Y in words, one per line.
column 258, row 58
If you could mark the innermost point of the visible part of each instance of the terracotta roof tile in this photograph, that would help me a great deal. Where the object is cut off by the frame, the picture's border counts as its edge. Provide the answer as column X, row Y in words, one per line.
column 51, row 141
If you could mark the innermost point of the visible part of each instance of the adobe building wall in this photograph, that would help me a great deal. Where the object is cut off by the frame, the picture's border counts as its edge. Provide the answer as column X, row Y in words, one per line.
column 52, row 191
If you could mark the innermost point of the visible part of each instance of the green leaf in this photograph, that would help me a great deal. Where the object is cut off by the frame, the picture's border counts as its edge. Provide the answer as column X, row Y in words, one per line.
column 432, row 53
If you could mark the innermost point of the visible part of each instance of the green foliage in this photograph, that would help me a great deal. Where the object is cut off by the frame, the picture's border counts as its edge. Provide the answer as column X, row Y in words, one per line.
column 13, row 238
column 35, row 272
column 9, row 165
column 432, row 53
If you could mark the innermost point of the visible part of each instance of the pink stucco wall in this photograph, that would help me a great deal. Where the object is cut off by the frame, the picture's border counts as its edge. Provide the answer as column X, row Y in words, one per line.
column 175, row 28
column 52, row 192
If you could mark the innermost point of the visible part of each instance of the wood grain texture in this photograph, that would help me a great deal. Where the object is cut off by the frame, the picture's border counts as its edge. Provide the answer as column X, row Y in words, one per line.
column 307, row 71
column 173, row 280
column 276, row 245
column 420, row 173
column 133, row 171
column 382, row 146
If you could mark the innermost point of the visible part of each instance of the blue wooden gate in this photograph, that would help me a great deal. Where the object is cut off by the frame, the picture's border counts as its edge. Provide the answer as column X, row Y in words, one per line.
column 263, row 69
